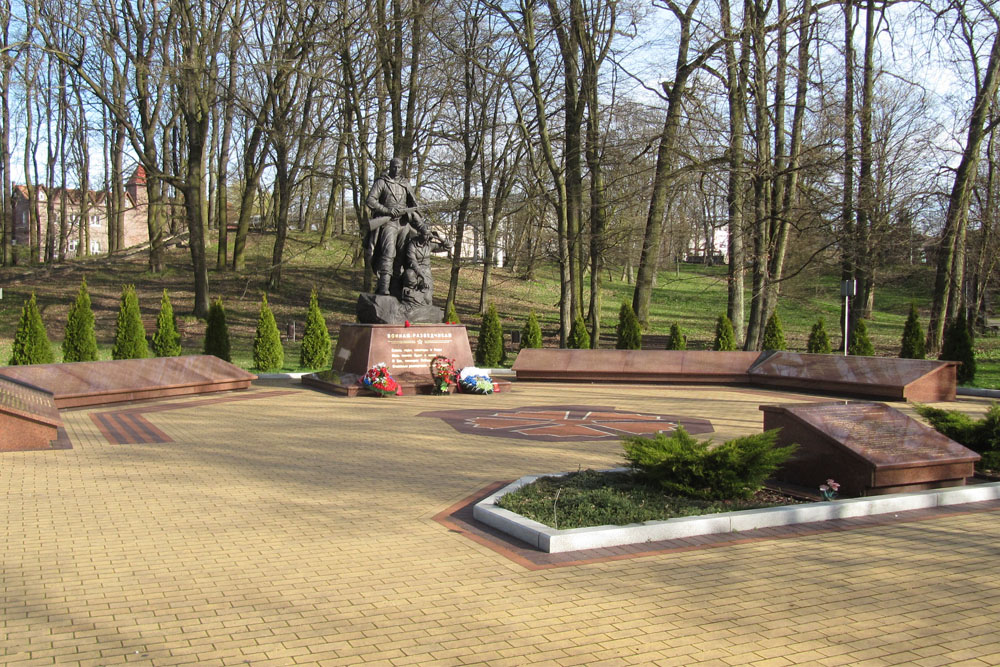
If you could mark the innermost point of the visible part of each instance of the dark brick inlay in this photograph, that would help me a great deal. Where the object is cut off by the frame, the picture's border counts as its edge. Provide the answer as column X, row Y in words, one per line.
column 130, row 427
column 458, row 519
column 559, row 423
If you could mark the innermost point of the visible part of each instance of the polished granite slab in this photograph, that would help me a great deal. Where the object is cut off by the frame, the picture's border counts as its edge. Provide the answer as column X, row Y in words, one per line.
column 88, row 383
column 634, row 365
column 865, row 377
column 871, row 377
column 869, row 448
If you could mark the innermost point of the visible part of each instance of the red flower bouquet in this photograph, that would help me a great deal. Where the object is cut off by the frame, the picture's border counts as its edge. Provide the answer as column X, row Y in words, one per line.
column 378, row 380
column 444, row 374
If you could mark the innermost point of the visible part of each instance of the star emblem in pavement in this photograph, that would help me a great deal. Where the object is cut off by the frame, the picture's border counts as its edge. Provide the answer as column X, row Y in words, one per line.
column 559, row 423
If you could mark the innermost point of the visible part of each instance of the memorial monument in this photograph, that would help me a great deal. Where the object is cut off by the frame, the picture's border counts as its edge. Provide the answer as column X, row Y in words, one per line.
column 399, row 326
column 398, row 248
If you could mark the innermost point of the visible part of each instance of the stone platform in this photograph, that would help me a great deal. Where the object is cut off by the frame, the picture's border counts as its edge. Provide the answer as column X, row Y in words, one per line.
column 407, row 352
column 869, row 448
column 29, row 419
column 865, row 377
column 88, row 383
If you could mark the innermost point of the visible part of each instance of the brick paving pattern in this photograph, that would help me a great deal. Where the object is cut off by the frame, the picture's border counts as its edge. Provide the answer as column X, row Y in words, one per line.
column 299, row 529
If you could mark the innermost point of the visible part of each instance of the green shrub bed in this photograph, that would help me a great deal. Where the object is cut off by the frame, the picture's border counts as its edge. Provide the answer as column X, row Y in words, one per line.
column 595, row 498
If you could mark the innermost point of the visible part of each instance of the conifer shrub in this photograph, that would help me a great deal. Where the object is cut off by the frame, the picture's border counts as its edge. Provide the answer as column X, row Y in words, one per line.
column 774, row 334
column 819, row 342
column 451, row 316
column 686, row 467
column 31, row 342
column 725, row 337
column 166, row 339
column 268, row 355
column 979, row 435
column 217, row 332
column 957, row 346
column 79, row 340
column 629, row 333
column 489, row 350
column 130, row 334
column 912, row 344
column 531, row 333
column 861, row 345
column 579, row 337
column 678, row 341
column 315, row 351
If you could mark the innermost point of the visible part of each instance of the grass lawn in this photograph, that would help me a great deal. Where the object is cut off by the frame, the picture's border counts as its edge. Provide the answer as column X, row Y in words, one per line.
column 594, row 498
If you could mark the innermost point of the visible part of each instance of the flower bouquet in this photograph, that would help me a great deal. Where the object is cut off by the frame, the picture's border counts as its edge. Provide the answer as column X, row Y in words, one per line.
column 378, row 380
column 444, row 374
column 472, row 380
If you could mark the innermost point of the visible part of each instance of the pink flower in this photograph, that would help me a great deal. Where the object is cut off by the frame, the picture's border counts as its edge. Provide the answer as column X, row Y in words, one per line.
column 406, row 323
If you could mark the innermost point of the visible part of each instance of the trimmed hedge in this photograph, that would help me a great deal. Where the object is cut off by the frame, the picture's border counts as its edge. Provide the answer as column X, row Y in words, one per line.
column 489, row 350
column 217, row 332
column 912, row 344
column 315, row 351
column 774, row 334
column 531, row 333
column 79, row 340
column 268, row 355
column 819, row 342
column 629, row 333
column 166, row 340
column 130, row 334
column 31, row 343
column 579, row 337
column 725, row 337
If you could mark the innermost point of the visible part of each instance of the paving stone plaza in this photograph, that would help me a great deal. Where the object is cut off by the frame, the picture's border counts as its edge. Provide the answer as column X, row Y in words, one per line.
column 284, row 526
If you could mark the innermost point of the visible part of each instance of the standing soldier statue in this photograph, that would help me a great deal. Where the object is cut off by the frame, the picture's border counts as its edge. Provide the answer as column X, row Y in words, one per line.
column 398, row 246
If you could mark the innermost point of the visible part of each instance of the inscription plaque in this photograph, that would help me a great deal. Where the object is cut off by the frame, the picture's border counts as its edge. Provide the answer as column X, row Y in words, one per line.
column 406, row 351
column 870, row 448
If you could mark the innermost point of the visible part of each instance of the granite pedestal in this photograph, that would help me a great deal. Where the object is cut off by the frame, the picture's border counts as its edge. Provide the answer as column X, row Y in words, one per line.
column 407, row 352
column 868, row 448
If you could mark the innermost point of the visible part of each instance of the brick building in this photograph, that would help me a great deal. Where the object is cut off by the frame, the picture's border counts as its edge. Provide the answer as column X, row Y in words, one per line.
column 134, row 222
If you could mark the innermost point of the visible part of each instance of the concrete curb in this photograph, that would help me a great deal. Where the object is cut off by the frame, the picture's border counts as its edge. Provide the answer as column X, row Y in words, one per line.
column 550, row 540
column 976, row 391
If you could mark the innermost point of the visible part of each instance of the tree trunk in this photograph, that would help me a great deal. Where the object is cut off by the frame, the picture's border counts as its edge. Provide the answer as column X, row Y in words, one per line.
column 958, row 202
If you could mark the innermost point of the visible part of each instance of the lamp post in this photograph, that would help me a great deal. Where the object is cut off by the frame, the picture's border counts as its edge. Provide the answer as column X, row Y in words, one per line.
column 848, row 288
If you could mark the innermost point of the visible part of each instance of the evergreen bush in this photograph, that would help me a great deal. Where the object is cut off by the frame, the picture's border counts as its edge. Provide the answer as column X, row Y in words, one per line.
column 31, row 343
column 451, row 316
column 819, row 342
column 684, row 466
column 130, row 334
column 268, row 355
column 979, row 435
column 678, row 341
column 861, row 345
column 80, row 341
column 725, row 337
column 315, row 351
column 912, row 343
column 489, row 350
column 531, row 333
column 217, row 332
column 774, row 333
column 629, row 333
column 579, row 337
column 166, row 339
column 957, row 346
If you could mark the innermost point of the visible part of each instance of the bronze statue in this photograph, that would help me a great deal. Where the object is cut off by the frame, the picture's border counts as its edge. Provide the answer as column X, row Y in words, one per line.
column 398, row 247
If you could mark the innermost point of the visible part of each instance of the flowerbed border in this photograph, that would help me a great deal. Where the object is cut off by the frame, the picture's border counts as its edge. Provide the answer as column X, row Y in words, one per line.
column 551, row 540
